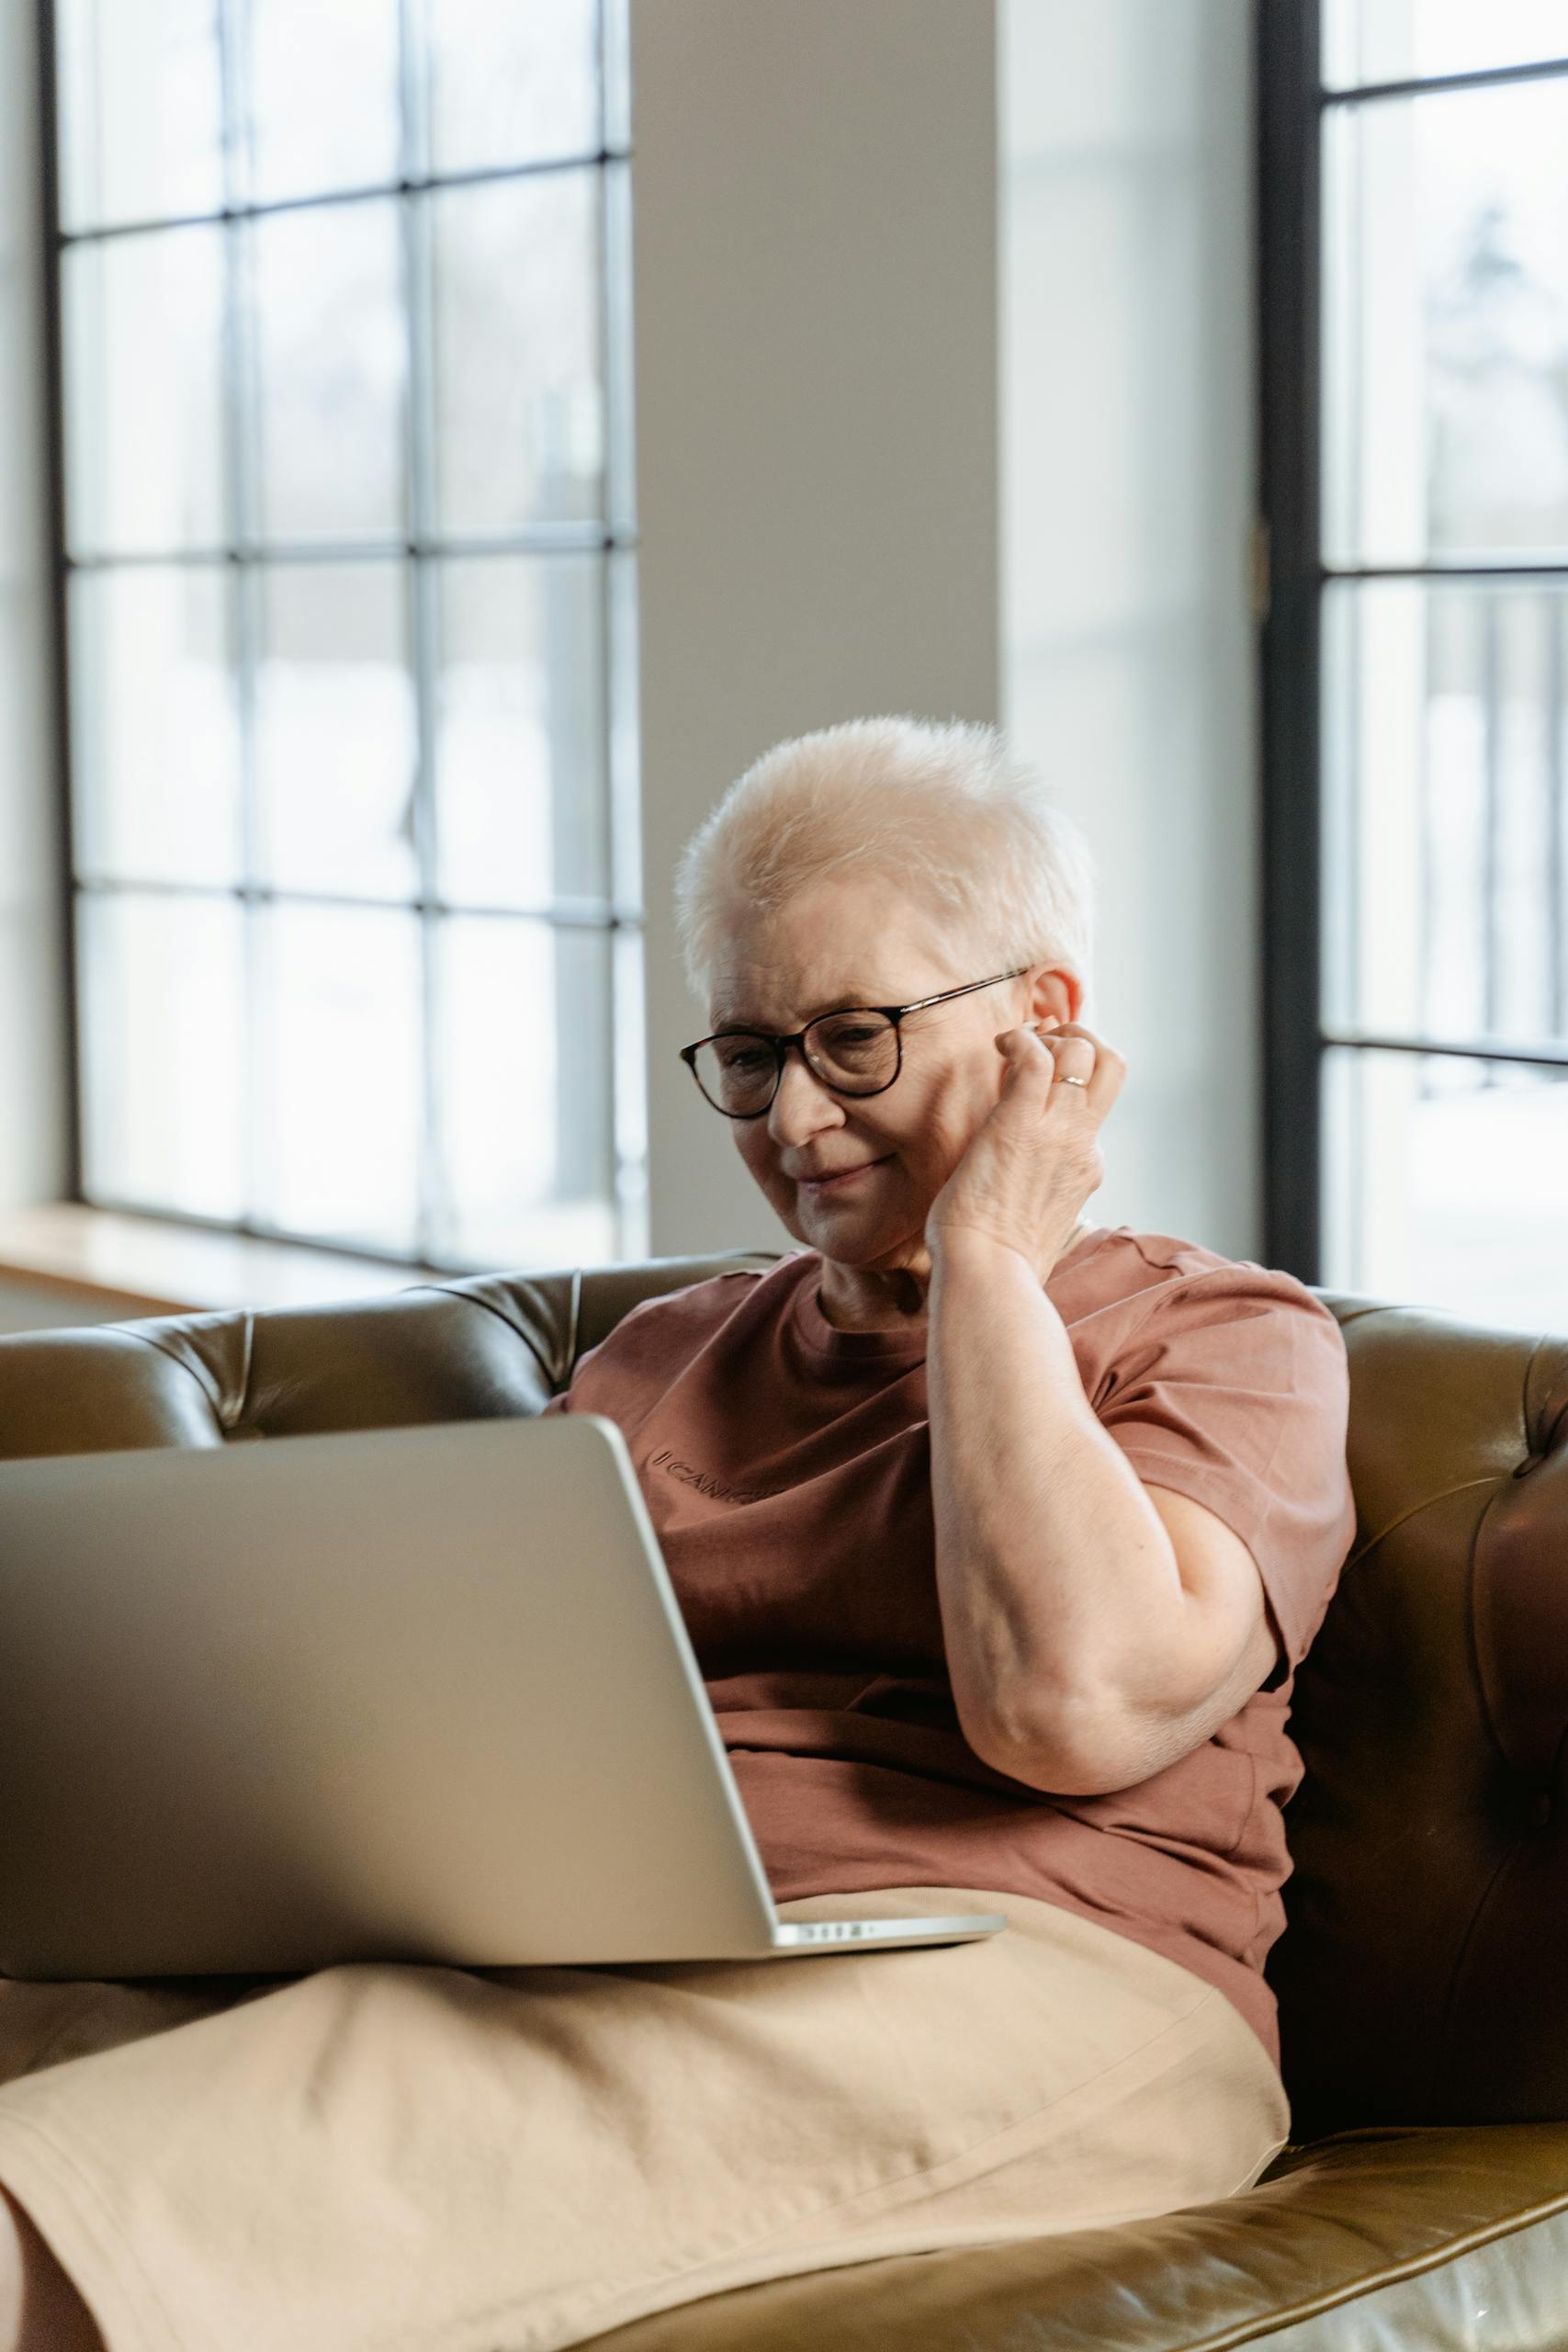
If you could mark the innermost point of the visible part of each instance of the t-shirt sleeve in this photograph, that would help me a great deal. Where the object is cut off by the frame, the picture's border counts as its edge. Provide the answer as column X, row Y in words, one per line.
column 1235, row 1389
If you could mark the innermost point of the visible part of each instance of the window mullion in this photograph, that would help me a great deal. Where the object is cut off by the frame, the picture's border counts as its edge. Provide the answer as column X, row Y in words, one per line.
column 433, row 1187
column 1290, row 261
column 50, row 223
column 240, row 453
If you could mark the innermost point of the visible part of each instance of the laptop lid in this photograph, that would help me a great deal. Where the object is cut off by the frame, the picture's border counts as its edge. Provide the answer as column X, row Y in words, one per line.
column 418, row 1693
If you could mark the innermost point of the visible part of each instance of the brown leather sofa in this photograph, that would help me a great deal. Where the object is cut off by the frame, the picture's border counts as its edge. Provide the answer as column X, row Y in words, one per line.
column 1423, row 1980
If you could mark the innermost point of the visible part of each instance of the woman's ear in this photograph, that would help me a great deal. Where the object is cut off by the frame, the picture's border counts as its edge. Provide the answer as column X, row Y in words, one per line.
column 1055, row 993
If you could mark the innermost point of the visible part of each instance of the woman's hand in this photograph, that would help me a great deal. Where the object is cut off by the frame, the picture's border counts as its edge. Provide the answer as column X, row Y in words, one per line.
column 1033, row 1162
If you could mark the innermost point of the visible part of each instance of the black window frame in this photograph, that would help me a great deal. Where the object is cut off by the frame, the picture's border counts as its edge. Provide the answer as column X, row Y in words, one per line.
column 1290, row 581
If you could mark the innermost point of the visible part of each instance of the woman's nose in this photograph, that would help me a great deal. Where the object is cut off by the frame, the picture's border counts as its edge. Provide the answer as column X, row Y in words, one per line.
column 802, row 1104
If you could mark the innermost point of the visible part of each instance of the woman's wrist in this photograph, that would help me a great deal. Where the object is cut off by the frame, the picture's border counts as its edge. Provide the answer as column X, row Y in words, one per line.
column 953, row 1245
column 958, row 1249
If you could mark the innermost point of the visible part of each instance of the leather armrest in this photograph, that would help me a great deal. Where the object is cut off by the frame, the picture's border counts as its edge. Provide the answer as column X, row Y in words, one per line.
column 1394, row 2237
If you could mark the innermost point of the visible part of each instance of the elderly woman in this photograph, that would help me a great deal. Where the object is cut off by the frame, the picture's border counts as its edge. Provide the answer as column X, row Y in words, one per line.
column 999, row 1535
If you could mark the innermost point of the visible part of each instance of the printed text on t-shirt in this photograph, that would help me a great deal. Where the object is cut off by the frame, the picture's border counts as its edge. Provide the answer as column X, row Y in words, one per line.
column 704, row 1483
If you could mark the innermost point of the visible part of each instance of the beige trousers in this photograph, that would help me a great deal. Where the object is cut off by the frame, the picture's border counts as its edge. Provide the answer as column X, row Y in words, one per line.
column 380, row 2158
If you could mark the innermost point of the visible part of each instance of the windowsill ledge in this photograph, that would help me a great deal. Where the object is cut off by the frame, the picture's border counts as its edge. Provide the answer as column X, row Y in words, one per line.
column 145, row 1265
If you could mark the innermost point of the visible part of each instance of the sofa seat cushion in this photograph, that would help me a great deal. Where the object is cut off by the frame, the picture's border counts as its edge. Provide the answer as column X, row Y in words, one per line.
column 1435, row 2239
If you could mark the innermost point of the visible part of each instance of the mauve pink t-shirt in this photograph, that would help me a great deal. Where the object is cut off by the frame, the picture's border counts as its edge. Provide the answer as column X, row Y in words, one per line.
column 786, row 1467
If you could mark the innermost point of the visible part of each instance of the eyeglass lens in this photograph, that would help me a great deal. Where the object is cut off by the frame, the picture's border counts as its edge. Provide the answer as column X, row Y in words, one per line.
column 856, row 1052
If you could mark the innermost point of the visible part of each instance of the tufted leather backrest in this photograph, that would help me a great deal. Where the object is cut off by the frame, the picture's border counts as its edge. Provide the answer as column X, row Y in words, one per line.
column 463, row 1350
column 1420, row 1979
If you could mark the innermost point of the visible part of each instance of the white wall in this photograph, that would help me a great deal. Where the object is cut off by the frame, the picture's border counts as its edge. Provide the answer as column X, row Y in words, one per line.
column 31, row 1031
column 814, row 210
column 1126, row 489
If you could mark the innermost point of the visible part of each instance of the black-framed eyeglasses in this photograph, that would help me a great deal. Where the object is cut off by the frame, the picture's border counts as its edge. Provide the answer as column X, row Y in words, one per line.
column 858, row 1049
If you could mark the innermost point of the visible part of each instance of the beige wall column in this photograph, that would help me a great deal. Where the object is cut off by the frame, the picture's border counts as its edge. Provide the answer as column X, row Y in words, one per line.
column 815, row 197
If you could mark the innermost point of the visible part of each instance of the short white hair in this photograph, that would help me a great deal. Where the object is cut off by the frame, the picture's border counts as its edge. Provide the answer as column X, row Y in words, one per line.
column 941, row 811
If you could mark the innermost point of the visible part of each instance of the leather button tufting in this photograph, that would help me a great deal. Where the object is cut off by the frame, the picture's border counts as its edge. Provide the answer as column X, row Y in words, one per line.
column 1530, row 1462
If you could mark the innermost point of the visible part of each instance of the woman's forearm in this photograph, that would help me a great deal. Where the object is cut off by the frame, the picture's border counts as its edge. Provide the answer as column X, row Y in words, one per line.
column 1058, row 1583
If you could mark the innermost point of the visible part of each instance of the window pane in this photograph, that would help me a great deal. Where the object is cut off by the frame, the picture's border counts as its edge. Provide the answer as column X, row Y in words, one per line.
column 615, row 33
column 1407, row 40
column 620, row 492
column 624, row 754
column 519, row 405
column 144, row 410
column 520, row 746
column 336, row 734
column 340, row 1096
column 631, row 1091
column 1444, row 1190
column 1446, row 835
column 333, row 360
column 526, row 1083
column 155, row 733
column 1447, row 328
column 141, row 115
column 324, row 99
column 162, row 983
column 512, row 85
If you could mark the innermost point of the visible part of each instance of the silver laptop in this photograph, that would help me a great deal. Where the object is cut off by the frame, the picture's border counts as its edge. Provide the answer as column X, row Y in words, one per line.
column 418, row 1695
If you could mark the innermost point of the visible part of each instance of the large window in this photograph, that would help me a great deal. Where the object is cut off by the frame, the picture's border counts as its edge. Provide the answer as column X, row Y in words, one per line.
column 348, row 604
column 1415, row 168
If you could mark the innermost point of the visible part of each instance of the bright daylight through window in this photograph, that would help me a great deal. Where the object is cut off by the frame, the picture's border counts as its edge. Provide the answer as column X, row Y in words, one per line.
column 1445, row 653
column 347, row 525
